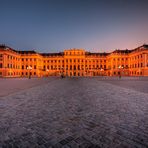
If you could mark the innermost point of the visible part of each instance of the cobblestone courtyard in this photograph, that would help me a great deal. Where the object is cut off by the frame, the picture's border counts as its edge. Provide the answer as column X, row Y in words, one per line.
column 74, row 112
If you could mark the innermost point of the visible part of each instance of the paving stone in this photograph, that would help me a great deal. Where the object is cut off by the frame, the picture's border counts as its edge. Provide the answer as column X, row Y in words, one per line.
column 76, row 113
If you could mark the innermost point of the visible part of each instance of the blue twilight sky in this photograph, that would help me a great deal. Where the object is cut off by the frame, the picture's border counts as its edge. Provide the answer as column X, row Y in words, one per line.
column 55, row 25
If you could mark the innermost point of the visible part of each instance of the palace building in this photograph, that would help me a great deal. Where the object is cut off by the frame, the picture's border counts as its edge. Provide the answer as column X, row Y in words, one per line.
column 73, row 62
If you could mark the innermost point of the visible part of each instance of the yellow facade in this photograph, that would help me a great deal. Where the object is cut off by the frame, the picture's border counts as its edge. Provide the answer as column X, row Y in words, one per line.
column 73, row 62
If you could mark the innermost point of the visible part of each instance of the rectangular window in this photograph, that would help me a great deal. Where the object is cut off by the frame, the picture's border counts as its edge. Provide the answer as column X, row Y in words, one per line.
column 1, row 65
column 141, row 64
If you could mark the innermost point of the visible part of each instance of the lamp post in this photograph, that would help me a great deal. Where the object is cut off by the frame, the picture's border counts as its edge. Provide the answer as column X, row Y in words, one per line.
column 145, row 63
column 85, row 71
column 139, row 73
column 47, row 70
column 97, row 71
column 62, row 73
column 5, row 68
column 120, row 69
column 101, row 71
column 29, row 68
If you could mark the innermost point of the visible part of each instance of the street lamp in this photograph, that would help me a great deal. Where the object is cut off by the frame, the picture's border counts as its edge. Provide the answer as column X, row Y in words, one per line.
column 102, row 71
column 29, row 68
column 5, row 68
column 97, row 71
column 120, row 67
column 85, row 71
column 47, row 70
column 62, row 73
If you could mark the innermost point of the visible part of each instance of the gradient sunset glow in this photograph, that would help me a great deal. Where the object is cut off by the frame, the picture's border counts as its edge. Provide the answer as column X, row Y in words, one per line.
column 54, row 25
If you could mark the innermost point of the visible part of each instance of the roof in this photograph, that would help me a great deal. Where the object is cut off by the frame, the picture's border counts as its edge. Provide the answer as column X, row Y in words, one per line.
column 97, row 54
column 52, row 54
column 27, row 52
column 4, row 47
column 145, row 46
column 141, row 48
column 126, row 51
